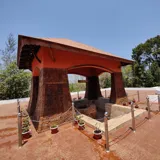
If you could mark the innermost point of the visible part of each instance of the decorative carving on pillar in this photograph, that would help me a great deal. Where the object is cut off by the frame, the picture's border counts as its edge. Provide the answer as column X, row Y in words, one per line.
column 118, row 94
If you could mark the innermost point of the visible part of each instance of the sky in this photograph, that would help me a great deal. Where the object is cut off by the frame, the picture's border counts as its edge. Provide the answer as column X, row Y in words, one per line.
column 115, row 26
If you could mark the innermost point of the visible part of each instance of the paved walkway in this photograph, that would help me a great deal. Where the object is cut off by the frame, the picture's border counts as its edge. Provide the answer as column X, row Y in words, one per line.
column 71, row 144
column 144, row 144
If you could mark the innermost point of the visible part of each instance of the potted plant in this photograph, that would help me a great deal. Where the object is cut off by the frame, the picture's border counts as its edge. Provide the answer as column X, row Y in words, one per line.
column 54, row 128
column 133, row 100
column 124, row 103
column 81, row 124
column 136, row 105
column 97, row 132
column 25, row 128
column 129, row 102
column 76, row 119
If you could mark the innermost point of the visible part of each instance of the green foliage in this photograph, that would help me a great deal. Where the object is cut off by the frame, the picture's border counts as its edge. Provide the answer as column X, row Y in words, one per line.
column 54, row 125
column 9, row 53
column 146, row 69
column 25, row 125
column 14, row 83
column 105, row 80
column 127, row 76
column 74, row 87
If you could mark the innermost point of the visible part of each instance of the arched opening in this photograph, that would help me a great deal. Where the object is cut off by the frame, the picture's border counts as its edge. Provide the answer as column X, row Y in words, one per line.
column 93, row 103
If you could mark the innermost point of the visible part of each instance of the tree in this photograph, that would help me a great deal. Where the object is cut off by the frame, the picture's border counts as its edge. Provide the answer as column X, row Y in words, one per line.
column 146, row 69
column 127, row 76
column 14, row 83
column 9, row 54
column 105, row 80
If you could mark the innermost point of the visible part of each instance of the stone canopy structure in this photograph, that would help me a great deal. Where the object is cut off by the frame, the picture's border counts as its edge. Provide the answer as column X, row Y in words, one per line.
column 51, row 59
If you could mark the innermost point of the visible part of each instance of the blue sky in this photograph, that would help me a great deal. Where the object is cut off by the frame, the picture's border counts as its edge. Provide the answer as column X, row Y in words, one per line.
column 115, row 26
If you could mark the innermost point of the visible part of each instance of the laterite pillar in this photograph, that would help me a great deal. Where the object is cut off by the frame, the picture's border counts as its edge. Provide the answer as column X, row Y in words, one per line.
column 53, row 96
column 118, row 94
column 92, row 88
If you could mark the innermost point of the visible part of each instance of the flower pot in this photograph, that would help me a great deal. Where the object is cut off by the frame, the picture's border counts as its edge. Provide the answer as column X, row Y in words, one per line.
column 81, row 126
column 26, row 135
column 129, row 102
column 97, row 134
column 54, row 129
column 124, row 104
column 136, row 106
column 75, row 121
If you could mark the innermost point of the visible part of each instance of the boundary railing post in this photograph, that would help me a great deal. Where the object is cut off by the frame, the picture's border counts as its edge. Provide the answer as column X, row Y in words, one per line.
column 105, row 93
column 133, row 118
column 78, row 94
column 148, row 105
column 106, row 131
column 19, row 116
column 159, row 101
column 138, row 96
column 73, row 112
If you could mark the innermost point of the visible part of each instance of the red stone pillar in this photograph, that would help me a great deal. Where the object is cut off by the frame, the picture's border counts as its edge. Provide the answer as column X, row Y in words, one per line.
column 53, row 96
column 93, row 91
column 118, row 94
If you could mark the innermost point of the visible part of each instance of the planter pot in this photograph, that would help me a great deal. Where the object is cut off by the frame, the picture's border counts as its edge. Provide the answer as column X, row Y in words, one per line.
column 124, row 104
column 129, row 102
column 26, row 135
column 81, row 126
column 136, row 106
column 97, row 134
column 75, row 121
column 54, row 130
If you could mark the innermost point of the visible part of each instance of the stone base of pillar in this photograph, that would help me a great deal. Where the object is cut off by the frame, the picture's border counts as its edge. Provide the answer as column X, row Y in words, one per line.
column 118, row 94
column 53, row 97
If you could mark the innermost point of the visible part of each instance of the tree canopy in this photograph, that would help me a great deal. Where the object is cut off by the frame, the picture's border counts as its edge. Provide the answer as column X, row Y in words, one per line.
column 146, row 68
column 14, row 83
